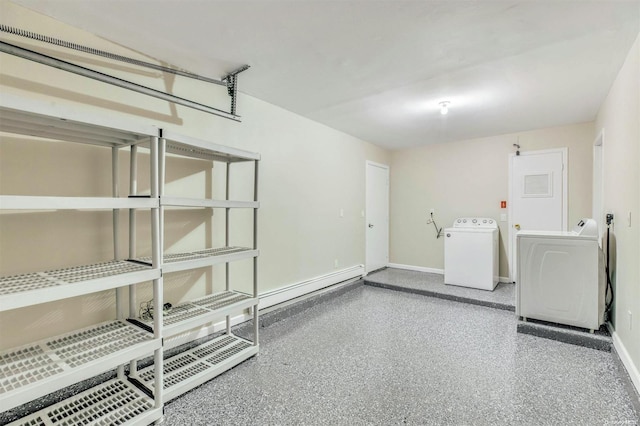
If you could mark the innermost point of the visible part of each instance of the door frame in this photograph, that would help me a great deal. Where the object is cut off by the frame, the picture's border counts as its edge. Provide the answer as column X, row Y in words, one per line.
column 366, row 216
column 598, row 211
column 565, row 205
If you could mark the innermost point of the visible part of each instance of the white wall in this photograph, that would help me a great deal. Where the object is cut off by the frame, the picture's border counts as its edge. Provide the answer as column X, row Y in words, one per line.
column 308, row 173
column 470, row 178
column 619, row 116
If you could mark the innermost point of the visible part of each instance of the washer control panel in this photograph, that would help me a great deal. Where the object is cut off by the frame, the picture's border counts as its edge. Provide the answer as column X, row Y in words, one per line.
column 587, row 228
column 475, row 222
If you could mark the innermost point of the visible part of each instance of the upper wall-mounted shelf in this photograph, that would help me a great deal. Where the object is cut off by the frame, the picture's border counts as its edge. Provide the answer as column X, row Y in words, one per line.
column 196, row 148
column 14, row 119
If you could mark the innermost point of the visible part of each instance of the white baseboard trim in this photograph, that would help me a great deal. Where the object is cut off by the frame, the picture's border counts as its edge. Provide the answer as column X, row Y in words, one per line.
column 269, row 299
column 281, row 295
column 505, row 280
column 416, row 268
column 632, row 369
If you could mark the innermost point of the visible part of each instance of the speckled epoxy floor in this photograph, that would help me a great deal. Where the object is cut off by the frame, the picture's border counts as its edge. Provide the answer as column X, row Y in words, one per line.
column 374, row 356
column 502, row 297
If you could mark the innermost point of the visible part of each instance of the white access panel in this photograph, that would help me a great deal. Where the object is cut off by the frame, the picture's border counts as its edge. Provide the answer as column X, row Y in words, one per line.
column 558, row 277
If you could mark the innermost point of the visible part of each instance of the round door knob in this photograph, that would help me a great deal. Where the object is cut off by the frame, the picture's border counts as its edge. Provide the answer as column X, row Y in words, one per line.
column 371, row 225
column 517, row 226
column 448, row 235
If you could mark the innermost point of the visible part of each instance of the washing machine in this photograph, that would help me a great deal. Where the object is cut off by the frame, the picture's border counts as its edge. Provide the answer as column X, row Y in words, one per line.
column 471, row 253
column 560, row 276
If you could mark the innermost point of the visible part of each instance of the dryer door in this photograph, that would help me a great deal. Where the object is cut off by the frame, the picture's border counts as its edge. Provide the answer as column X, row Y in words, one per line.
column 559, row 280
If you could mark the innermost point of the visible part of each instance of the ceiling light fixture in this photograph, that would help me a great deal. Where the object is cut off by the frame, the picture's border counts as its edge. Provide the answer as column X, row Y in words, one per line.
column 444, row 107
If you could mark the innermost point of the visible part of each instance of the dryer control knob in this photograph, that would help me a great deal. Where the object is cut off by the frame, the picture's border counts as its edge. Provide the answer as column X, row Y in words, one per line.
column 475, row 220
column 465, row 221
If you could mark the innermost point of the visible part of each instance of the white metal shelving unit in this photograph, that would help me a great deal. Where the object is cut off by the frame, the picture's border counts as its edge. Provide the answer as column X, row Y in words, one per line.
column 34, row 370
column 194, row 367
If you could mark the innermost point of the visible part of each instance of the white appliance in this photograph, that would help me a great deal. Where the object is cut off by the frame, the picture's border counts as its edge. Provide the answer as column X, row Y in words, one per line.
column 471, row 253
column 560, row 276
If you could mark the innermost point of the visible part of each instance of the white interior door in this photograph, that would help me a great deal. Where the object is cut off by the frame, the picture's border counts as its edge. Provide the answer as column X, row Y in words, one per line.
column 538, row 195
column 377, row 216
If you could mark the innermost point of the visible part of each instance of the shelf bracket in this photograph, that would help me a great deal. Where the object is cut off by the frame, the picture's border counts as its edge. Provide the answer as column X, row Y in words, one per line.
column 232, row 86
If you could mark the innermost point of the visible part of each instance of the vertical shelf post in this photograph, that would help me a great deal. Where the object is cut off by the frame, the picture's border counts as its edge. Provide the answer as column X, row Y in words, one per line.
column 162, row 167
column 133, row 190
column 156, row 260
column 256, row 324
column 226, row 237
column 115, row 193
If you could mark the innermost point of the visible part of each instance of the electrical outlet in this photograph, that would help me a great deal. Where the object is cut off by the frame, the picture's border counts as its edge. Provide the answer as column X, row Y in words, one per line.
column 503, row 217
column 341, row 212
column 630, row 320
column 629, row 219
column 609, row 218
column 362, row 213
column 335, row 264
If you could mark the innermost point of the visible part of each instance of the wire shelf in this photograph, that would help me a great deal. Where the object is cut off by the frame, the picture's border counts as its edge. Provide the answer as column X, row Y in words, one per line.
column 201, row 311
column 197, row 365
column 29, row 289
column 179, row 257
column 181, row 313
column 174, row 262
column 112, row 403
column 37, row 369
column 221, row 300
column 195, row 148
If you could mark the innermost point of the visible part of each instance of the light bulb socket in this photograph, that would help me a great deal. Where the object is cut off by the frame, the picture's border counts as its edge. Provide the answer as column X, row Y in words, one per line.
column 444, row 107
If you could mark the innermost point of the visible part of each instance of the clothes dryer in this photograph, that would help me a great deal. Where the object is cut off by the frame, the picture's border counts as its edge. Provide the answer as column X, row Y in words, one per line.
column 560, row 276
column 471, row 253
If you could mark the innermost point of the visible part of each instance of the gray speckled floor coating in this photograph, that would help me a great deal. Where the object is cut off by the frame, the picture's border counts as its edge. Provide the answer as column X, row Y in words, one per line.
column 502, row 297
column 378, row 357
